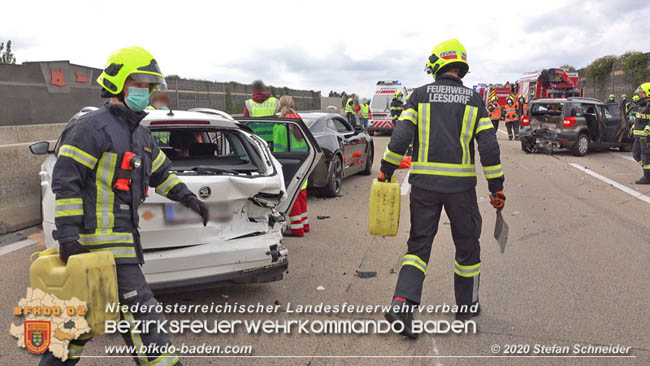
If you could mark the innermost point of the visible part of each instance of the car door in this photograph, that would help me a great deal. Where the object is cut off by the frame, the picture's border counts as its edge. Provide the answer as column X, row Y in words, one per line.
column 611, row 122
column 352, row 144
column 298, row 160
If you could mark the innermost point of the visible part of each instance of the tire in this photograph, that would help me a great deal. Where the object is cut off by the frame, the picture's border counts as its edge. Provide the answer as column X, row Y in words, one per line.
column 581, row 146
column 625, row 148
column 527, row 147
column 371, row 156
column 335, row 180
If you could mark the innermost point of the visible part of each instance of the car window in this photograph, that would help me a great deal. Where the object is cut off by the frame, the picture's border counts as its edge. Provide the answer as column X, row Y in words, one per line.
column 288, row 138
column 590, row 109
column 381, row 101
column 574, row 110
column 612, row 111
column 543, row 109
column 330, row 124
column 341, row 126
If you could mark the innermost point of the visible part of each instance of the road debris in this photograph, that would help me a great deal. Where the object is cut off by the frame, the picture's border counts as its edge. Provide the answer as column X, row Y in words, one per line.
column 363, row 274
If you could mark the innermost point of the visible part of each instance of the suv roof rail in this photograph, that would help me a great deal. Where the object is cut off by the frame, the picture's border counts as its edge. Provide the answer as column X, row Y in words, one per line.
column 587, row 98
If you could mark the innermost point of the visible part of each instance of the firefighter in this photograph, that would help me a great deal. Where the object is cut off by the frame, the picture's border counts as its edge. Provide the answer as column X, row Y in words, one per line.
column 611, row 98
column 641, row 118
column 512, row 119
column 92, row 213
column 495, row 112
column 522, row 107
column 625, row 105
column 444, row 119
column 349, row 109
column 261, row 104
column 396, row 106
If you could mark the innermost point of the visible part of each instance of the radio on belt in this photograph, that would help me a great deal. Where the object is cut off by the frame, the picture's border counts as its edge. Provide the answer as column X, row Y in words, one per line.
column 130, row 161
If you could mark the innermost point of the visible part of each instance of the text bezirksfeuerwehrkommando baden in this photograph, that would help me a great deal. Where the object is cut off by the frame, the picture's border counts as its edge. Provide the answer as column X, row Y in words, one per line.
column 259, row 308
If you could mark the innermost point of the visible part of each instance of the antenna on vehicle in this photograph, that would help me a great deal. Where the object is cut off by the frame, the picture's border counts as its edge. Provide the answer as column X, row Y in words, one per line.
column 171, row 113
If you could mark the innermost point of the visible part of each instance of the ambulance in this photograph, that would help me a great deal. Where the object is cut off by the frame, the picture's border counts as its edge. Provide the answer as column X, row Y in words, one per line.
column 381, row 120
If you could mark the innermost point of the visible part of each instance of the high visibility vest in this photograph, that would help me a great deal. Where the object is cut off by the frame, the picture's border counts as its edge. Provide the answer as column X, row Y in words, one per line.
column 150, row 107
column 280, row 143
column 364, row 111
column 496, row 112
column 348, row 106
column 511, row 113
column 267, row 108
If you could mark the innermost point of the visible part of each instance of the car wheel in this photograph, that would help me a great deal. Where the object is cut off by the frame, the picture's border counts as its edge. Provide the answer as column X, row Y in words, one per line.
column 528, row 147
column 371, row 156
column 581, row 146
column 333, row 187
column 625, row 148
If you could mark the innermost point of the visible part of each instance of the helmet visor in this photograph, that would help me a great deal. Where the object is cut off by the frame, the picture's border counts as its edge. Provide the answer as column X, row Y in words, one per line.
column 157, row 82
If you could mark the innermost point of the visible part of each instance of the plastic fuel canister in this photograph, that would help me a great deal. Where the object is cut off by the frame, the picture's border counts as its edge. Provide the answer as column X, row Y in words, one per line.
column 90, row 277
column 384, row 208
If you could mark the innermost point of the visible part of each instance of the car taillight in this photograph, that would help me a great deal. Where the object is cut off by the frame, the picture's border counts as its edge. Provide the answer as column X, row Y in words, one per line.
column 525, row 121
column 569, row 122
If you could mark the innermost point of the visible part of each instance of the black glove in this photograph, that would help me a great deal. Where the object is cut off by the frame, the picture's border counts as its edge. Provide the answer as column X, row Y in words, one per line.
column 197, row 206
column 71, row 248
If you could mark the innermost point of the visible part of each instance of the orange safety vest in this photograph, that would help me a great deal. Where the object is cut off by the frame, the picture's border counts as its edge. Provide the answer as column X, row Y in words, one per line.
column 511, row 113
column 525, row 110
column 496, row 112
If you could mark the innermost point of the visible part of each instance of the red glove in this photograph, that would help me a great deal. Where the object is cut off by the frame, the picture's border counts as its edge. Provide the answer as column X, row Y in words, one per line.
column 498, row 200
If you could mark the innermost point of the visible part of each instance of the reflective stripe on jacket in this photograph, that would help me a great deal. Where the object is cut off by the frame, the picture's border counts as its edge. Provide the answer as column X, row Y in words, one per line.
column 396, row 108
column 442, row 120
column 88, row 208
column 267, row 108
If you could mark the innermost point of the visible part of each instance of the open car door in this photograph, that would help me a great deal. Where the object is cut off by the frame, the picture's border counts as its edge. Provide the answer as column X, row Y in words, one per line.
column 293, row 146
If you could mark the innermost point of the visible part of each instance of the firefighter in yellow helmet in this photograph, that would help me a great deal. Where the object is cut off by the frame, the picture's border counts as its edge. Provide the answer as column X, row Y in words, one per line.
column 512, row 118
column 445, row 120
column 93, row 212
column 495, row 112
column 641, row 118
column 396, row 106
column 611, row 98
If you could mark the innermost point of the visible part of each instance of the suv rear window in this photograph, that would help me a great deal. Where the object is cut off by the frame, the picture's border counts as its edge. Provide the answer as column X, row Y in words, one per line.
column 206, row 152
column 546, row 109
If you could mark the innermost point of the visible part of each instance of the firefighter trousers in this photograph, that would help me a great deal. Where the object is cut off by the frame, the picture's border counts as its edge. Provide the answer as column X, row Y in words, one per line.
column 513, row 126
column 132, row 289
column 495, row 123
column 462, row 210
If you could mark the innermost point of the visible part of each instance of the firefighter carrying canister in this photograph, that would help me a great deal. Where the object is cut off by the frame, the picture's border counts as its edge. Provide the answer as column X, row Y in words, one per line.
column 443, row 119
column 104, row 167
column 641, row 117
column 495, row 112
column 512, row 119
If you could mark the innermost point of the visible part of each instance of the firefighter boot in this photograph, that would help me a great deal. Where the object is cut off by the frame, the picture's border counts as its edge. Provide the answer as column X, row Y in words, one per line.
column 645, row 179
column 401, row 311
column 467, row 315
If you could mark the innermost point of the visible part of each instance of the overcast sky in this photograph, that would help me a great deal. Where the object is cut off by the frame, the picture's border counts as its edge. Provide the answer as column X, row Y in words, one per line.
column 330, row 46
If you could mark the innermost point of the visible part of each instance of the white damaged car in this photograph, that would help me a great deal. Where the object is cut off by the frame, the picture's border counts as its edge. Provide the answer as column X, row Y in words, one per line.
column 247, row 188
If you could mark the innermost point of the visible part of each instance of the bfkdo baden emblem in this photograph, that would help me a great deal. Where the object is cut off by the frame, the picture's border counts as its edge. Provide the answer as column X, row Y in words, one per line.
column 37, row 335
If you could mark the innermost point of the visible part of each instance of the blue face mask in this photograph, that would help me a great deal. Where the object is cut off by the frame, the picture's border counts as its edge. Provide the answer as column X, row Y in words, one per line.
column 138, row 98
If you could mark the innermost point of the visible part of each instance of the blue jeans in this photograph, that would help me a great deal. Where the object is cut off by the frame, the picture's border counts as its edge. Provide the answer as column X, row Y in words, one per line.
column 364, row 123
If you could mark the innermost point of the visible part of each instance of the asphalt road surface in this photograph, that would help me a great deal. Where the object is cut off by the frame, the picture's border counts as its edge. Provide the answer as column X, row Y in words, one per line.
column 575, row 271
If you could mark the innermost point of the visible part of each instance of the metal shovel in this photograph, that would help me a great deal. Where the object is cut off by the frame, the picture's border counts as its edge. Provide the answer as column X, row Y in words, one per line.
column 501, row 232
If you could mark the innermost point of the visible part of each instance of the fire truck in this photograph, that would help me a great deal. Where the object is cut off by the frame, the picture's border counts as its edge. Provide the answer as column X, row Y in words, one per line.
column 549, row 83
column 501, row 92
column 381, row 120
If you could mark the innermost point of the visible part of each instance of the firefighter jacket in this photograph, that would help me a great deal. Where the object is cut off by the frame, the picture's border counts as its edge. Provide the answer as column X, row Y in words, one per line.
column 396, row 108
column 89, row 208
column 511, row 113
column 442, row 120
column 495, row 111
column 642, row 121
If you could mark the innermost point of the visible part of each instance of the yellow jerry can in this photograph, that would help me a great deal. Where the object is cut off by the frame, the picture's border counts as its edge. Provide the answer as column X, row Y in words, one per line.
column 90, row 277
column 384, row 207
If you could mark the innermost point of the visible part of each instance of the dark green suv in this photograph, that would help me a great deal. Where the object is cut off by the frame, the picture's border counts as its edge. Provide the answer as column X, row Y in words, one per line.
column 577, row 124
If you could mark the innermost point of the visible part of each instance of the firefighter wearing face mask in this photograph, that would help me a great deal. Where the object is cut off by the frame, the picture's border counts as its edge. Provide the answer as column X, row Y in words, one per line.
column 641, row 117
column 444, row 120
column 396, row 106
column 512, row 119
column 104, row 167
column 495, row 112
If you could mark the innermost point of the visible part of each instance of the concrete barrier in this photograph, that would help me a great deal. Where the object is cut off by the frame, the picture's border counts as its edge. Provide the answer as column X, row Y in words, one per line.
column 20, row 188
column 30, row 133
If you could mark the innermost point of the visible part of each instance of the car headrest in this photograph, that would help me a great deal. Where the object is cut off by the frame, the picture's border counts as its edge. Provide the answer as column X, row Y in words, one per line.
column 202, row 149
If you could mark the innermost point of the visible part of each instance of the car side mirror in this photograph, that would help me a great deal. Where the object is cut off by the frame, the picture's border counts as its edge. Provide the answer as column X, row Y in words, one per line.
column 40, row 148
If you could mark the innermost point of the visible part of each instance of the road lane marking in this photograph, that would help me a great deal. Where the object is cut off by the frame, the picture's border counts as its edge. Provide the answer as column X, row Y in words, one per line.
column 16, row 246
column 406, row 186
column 622, row 155
column 502, row 131
column 617, row 185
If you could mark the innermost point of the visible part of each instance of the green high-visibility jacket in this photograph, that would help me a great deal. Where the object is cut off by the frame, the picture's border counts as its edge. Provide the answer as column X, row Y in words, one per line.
column 267, row 108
